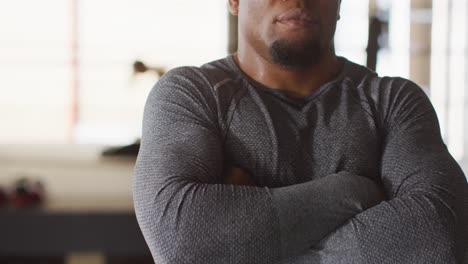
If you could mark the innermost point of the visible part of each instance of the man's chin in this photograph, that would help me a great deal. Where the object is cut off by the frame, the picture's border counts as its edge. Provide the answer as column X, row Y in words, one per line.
column 295, row 54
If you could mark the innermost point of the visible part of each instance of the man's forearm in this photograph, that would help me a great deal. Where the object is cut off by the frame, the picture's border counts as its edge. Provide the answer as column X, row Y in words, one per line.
column 323, row 206
column 339, row 247
column 332, row 199
column 396, row 231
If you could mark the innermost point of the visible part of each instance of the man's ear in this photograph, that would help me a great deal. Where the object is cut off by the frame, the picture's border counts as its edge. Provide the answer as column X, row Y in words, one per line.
column 339, row 10
column 233, row 6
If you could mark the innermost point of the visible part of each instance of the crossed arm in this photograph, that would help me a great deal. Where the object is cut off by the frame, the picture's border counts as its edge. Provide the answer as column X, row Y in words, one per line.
column 425, row 218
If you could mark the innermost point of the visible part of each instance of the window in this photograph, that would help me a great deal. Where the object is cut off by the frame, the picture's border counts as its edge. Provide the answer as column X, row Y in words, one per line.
column 40, row 83
column 34, row 71
column 450, row 73
column 352, row 31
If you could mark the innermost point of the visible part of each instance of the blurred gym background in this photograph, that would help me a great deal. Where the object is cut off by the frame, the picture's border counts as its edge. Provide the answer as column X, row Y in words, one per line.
column 74, row 76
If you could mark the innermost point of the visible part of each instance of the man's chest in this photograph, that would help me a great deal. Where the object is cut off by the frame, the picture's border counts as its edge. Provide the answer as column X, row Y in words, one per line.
column 282, row 145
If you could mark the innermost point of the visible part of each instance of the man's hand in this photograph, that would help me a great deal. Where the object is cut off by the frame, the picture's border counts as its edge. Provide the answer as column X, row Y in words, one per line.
column 237, row 176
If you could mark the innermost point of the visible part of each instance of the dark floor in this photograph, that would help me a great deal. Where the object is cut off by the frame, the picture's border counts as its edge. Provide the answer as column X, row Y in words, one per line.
column 62, row 260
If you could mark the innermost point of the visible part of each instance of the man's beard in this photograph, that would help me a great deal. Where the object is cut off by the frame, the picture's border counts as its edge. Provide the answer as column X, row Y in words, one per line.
column 295, row 56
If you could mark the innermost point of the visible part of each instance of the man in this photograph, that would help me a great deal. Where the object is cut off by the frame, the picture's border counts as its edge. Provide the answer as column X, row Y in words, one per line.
column 285, row 153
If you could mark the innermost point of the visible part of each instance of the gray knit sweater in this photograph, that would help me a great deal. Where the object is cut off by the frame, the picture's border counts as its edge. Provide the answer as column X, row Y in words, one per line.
column 355, row 173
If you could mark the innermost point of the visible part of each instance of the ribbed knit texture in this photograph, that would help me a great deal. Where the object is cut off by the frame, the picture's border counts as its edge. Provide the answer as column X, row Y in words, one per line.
column 355, row 173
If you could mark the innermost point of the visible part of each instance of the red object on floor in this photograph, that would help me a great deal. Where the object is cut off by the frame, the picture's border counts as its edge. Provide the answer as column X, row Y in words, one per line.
column 27, row 194
column 3, row 197
column 26, row 199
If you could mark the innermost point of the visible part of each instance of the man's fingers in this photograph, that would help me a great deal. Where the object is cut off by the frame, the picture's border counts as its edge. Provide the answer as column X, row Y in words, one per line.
column 238, row 176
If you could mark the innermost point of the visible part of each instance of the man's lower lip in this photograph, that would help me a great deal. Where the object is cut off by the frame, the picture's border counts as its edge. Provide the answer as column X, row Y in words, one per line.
column 297, row 23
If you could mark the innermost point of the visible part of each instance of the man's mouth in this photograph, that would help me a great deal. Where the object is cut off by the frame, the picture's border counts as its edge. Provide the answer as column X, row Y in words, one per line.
column 296, row 18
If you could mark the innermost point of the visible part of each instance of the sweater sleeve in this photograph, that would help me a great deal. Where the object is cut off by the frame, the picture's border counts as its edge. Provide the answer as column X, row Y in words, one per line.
column 187, row 215
column 425, row 220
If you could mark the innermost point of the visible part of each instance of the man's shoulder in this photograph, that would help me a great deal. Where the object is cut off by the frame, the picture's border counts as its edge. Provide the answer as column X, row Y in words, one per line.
column 385, row 96
column 369, row 81
column 367, row 78
column 207, row 75
column 192, row 83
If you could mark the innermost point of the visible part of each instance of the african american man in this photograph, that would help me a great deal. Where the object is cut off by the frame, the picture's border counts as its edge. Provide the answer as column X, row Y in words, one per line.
column 284, row 152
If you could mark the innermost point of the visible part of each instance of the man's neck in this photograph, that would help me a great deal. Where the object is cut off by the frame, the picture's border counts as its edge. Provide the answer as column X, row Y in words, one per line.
column 297, row 83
